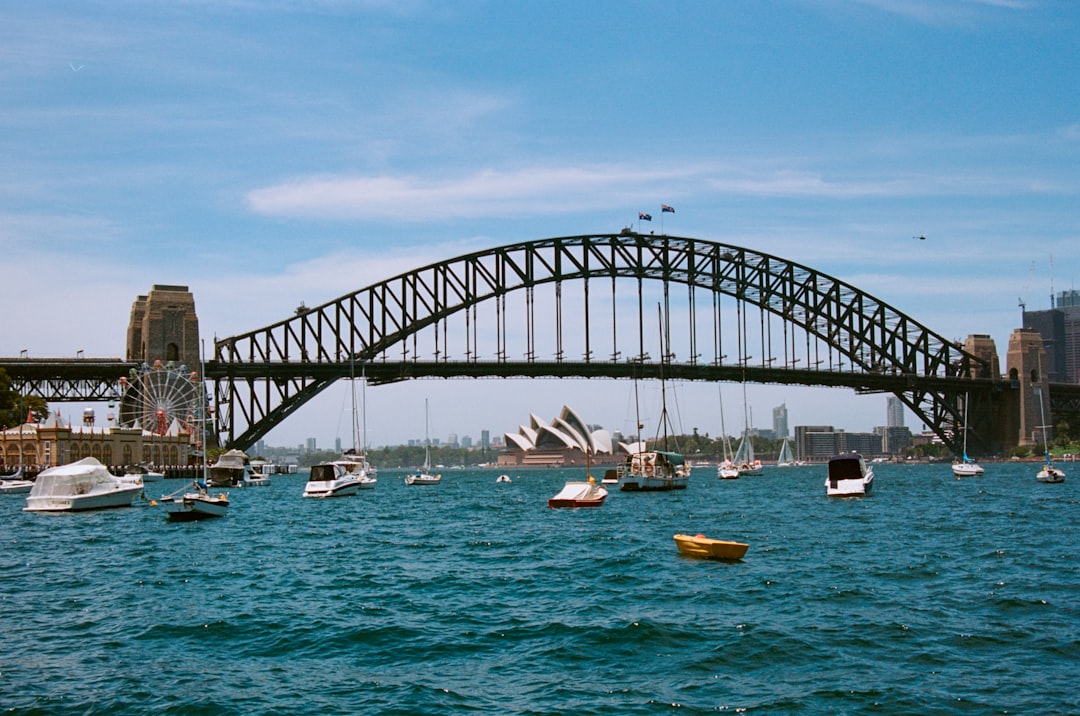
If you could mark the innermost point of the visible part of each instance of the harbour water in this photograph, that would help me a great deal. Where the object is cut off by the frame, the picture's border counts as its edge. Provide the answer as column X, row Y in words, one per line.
column 933, row 595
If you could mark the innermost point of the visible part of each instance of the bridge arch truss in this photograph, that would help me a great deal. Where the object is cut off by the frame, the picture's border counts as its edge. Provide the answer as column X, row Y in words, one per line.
column 610, row 305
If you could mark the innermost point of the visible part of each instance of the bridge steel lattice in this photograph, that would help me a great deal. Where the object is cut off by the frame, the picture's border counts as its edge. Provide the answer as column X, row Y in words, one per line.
column 611, row 305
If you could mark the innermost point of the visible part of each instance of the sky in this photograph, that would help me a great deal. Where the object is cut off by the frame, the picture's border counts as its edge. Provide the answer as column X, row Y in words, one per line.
column 271, row 153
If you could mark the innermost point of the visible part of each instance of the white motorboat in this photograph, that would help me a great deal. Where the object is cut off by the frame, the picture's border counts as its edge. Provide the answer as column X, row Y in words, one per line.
column 82, row 485
column 849, row 476
column 228, row 471
column 965, row 466
column 195, row 504
column 331, row 480
column 15, row 487
column 14, row 484
column 255, row 476
column 423, row 475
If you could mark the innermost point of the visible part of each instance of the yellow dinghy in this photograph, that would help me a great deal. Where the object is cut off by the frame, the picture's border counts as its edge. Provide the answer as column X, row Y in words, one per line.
column 706, row 548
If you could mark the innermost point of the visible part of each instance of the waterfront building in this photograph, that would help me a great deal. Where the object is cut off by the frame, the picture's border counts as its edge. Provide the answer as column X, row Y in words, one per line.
column 58, row 442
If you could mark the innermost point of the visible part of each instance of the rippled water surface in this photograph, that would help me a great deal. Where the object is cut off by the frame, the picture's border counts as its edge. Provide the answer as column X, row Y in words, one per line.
column 933, row 595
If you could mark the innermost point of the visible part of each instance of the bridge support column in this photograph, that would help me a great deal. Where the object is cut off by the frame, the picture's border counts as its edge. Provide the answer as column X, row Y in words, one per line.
column 1026, row 363
column 164, row 327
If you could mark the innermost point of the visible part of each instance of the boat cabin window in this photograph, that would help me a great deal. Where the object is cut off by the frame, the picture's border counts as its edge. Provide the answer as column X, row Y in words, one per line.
column 321, row 473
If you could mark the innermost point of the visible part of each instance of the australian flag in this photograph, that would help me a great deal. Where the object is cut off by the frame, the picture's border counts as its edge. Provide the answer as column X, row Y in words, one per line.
column 665, row 207
column 642, row 216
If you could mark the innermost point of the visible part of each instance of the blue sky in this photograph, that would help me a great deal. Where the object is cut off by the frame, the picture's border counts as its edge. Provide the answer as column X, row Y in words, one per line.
column 268, row 153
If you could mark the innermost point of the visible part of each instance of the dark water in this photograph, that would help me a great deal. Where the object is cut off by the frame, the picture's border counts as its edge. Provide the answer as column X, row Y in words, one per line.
column 934, row 595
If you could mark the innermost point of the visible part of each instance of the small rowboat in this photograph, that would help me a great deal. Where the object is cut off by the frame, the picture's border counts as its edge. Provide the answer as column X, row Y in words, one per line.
column 706, row 548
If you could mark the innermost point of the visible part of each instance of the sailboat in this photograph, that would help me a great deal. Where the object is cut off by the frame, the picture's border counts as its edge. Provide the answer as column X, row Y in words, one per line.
column 423, row 476
column 725, row 470
column 353, row 463
column 786, row 458
column 965, row 466
column 745, row 462
column 193, row 501
column 1048, row 473
column 656, row 470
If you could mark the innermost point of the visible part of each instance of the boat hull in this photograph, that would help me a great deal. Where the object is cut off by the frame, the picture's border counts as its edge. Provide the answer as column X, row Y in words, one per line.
column 336, row 488
column 419, row 479
column 645, row 483
column 967, row 469
column 15, row 487
column 704, row 547
column 119, row 496
column 1051, row 474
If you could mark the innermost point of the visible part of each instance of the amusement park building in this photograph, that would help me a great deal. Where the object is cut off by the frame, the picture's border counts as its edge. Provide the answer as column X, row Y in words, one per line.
column 56, row 442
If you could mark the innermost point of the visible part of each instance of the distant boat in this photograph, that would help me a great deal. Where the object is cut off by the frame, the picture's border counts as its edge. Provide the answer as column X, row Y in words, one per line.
column 744, row 460
column 357, row 465
column 726, row 470
column 502, row 478
column 965, row 466
column 785, row 459
column 1048, row 473
column 423, row 475
column 13, row 484
column 82, row 485
column 194, row 504
column 849, row 476
column 580, row 494
column 228, row 470
column 706, row 548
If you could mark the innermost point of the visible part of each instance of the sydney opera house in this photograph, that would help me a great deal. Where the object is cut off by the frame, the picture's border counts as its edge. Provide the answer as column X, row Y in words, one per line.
column 563, row 441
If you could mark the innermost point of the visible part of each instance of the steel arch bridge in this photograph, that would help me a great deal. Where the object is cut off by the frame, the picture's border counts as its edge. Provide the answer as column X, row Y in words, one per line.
column 609, row 305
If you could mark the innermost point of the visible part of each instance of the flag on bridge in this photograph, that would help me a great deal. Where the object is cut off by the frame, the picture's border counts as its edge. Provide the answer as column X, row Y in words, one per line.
column 642, row 216
column 665, row 207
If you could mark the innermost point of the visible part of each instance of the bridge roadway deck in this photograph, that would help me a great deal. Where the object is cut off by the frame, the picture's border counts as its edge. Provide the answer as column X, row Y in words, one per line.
column 67, row 372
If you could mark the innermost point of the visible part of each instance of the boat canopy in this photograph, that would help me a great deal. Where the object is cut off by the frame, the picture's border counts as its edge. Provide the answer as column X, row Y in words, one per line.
column 77, row 478
column 673, row 457
column 846, row 467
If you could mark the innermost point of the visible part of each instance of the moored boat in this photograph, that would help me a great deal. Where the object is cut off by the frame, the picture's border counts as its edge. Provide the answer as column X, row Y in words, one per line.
column 579, row 493
column 196, row 504
column 654, row 471
column 502, row 478
column 228, row 470
column 423, row 476
column 14, row 484
column 1048, row 473
column 82, row 485
column 708, row 548
column 331, row 480
column 849, row 476
column 965, row 466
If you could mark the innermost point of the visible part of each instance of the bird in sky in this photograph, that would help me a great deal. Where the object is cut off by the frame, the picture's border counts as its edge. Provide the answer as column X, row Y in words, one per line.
column 920, row 238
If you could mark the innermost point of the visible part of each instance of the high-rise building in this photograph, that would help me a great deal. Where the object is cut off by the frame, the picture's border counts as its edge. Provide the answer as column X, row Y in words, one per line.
column 1060, row 331
column 485, row 439
column 894, row 412
column 779, row 422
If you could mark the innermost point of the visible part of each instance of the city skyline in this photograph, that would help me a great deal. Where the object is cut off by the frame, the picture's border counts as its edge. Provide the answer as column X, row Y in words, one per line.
column 273, row 154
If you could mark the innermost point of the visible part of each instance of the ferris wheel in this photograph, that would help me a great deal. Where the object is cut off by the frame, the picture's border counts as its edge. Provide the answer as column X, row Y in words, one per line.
column 154, row 397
